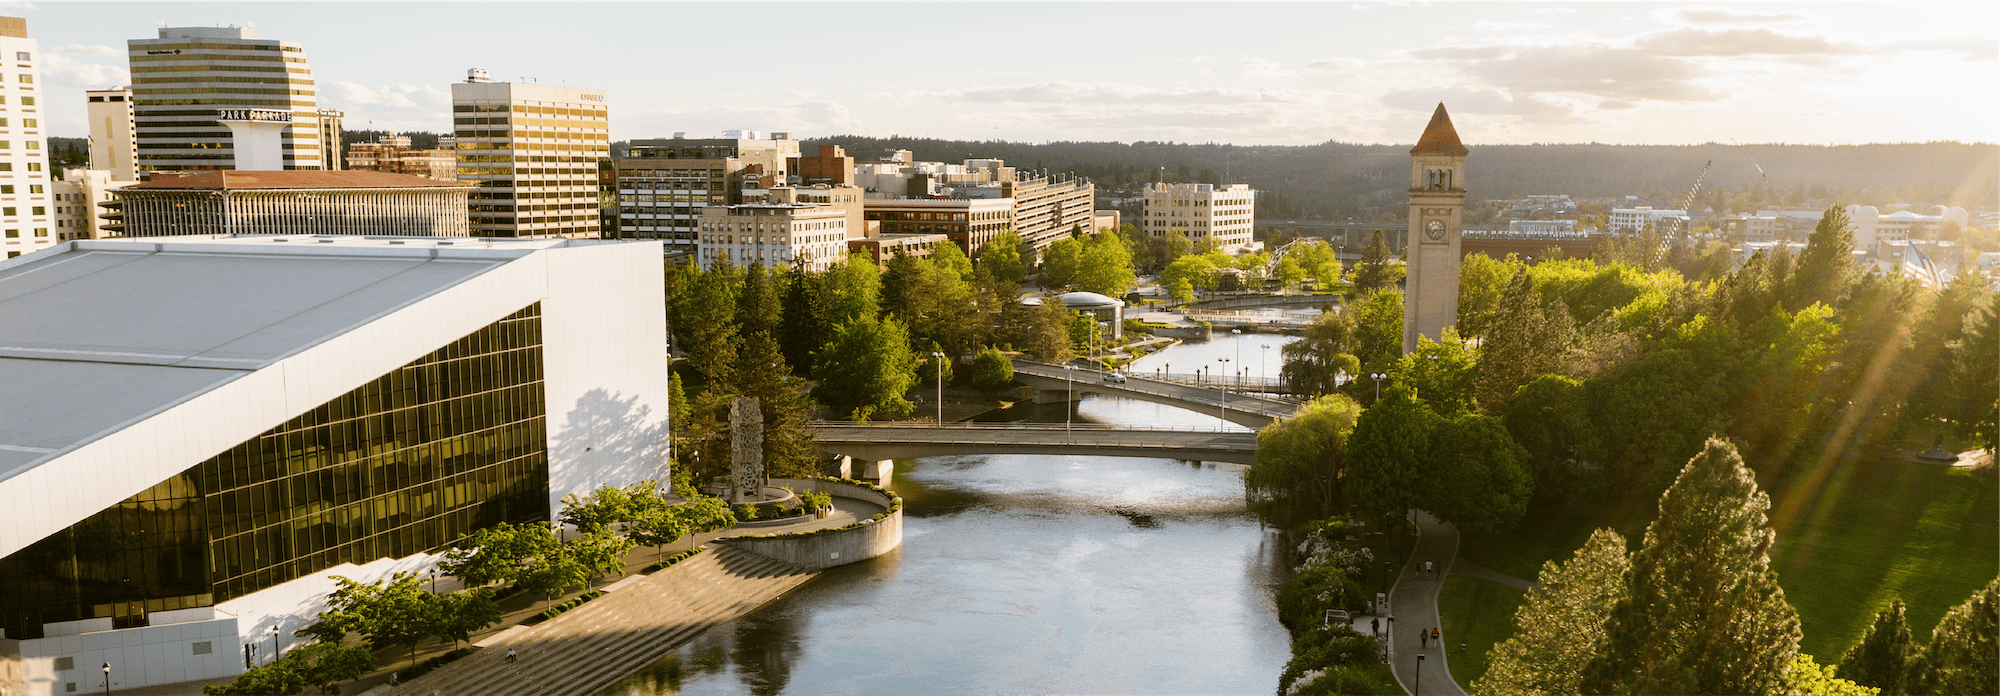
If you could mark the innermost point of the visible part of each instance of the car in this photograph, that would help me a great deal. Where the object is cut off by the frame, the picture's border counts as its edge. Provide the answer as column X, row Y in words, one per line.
column 1114, row 378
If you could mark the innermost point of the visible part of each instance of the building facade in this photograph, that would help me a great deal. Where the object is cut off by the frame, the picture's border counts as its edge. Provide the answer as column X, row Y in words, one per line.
column 319, row 406
column 970, row 222
column 777, row 235
column 1225, row 213
column 351, row 203
column 1049, row 207
column 532, row 151
column 24, row 175
column 664, row 185
column 1636, row 220
column 79, row 199
column 331, row 122
column 113, row 140
column 392, row 154
column 185, row 79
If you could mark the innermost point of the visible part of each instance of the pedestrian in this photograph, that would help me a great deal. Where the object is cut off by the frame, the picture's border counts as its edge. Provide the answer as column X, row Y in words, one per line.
column 1423, row 639
column 510, row 656
column 1427, row 567
column 1434, row 636
column 1375, row 626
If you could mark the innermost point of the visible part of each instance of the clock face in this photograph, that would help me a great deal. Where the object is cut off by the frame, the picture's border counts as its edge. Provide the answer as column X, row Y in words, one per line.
column 1434, row 229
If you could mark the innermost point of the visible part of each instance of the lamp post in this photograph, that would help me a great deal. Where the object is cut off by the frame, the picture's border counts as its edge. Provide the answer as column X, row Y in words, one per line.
column 1417, row 689
column 1069, row 385
column 1263, row 349
column 277, row 651
column 434, row 582
column 940, row 386
column 1236, row 337
column 1378, row 384
column 107, row 679
column 1225, row 396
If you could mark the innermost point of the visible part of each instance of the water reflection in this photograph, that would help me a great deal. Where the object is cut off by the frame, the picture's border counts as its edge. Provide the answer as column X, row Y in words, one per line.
column 1024, row 573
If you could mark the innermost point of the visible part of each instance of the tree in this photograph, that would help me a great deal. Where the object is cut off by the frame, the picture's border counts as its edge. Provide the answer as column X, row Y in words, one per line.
column 1045, row 332
column 1377, row 269
column 554, row 568
column 789, row 448
column 707, row 323
column 1104, row 265
column 1002, row 257
column 1378, row 329
column 1528, row 338
column 461, row 614
column 1550, row 419
column 1439, row 371
column 607, row 506
column 396, row 611
column 1975, row 378
column 1482, row 282
column 1826, row 267
column 1480, row 478
column 991, row 370
column 867, row 366
column 853, row 290
column 1959, row 659
column 758, row 303
column 1290, row 272
column 493, row 554
column 1387, row 452
column 1805, row 677
column 1703, row 612
column 1060, row 263
column 1883, row 657
column 1300, row 462
column 1561, row 626
column 1316, row 362
column 805, row 312
column 1186, row 273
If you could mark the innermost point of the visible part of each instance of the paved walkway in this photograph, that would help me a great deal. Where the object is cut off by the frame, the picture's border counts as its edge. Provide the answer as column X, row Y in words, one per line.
column 1467, row 568
column 1413, row 604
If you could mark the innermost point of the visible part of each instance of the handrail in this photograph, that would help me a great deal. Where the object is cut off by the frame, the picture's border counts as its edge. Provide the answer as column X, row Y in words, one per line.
column 1020, row 425
column 1287, row 406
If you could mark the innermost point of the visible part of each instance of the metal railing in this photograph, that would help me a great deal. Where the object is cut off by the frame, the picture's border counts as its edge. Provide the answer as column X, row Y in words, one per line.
column 1021, row 425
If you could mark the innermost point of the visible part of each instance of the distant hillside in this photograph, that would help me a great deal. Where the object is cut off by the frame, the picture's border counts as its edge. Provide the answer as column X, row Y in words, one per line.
column 1340, row 178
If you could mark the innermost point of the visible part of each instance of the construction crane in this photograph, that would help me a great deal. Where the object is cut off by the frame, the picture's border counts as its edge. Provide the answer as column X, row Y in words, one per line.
column 1687, row 228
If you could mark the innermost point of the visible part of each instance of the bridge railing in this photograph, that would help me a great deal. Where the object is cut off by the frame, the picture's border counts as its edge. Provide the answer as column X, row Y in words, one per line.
column 1140, row 382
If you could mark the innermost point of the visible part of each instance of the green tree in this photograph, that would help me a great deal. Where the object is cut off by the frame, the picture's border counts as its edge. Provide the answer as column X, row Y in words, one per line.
column 493, row 554
column 608, row 506
column 461, row 614
column 1185, row 274
column 282, row 678
column 326, row 665
column 386, row 613
column 1975, row 378
column 1805, row 677
column 1045, row 332
column 1300, row 462
column 1528, row 338
column 707, row 323
column 867, row 364
column 1960, row 657
column 1060, row 263
column 1439, row 371
column 1316, row 362
column 853, row 290
column 805, row 312
column 1704, row 613
column 1386, row 454
column 1561, row 626
column 1378, row 330
column 991, row 370
column 1002, row 257
column 1377, row 269
column 556, row 566
column 1290, row 271
column 1104, row 265
column 759, row 302
column 789, row 448
column 1480, row 478
column 1550, row 418
column 951, row 258
column 1826, row 267
column 599, row 551
column 1482, row 282
column 1883, row 657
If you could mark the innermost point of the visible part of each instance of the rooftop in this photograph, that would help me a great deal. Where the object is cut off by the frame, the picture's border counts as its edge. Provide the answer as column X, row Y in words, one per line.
column 1440, row 138
column 292, row 179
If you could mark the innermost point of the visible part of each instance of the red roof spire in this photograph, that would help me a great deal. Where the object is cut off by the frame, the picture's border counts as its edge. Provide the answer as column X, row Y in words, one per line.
column 1439, row 137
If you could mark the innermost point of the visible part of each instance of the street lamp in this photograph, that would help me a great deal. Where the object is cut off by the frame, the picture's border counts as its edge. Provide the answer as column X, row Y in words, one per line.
column 277, row 651
column 940, row 386
column 1263, row 349
column 434, row 582
column 1225, row 395
column 107, row 679
column 1418, row 688
column 1071, row 386
column 1378, row 384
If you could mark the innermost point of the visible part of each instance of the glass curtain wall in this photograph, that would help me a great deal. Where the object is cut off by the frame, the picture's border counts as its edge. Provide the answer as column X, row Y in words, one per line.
column 451, row 442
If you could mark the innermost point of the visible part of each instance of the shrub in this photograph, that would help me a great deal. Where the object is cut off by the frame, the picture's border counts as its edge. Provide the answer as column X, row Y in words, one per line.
column 991, row 370
column 746, row 513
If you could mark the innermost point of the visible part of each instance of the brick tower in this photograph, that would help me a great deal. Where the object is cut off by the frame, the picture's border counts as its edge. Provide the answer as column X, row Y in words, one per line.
column 1437, row 205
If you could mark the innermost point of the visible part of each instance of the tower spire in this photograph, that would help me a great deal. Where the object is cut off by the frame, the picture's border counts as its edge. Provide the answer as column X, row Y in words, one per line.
column 1440, row 138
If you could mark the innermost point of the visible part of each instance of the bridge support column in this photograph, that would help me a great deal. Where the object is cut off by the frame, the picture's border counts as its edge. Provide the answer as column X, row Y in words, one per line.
column 840, row 465
column 878, row 470
column 1052, row 396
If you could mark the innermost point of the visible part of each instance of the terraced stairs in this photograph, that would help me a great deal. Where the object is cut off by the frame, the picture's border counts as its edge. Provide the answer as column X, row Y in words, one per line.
column 589, row 648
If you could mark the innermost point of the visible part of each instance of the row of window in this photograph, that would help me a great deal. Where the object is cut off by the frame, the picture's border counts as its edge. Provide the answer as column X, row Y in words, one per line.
column 215, row 67
column 525, row 109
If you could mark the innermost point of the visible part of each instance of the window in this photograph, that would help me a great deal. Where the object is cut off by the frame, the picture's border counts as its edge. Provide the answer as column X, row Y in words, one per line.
column 41, row 231
column 34, row 166
column 21, row 55
column 64, row 664
column 11, row 210
column 10, row 255
column 34, row 188
column 6, row 188
column 40, row 210
column 27, row 101
column 27, row 79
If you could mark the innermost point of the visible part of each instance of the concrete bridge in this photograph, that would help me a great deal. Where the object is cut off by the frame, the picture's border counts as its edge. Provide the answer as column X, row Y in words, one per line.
column 1055, row 383
column 878, row 444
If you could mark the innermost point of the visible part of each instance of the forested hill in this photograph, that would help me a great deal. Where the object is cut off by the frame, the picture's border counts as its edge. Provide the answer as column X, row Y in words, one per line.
column 1339, row 178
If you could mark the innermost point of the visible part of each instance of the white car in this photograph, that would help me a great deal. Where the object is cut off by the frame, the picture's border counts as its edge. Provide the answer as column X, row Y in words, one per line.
column 1113, row 378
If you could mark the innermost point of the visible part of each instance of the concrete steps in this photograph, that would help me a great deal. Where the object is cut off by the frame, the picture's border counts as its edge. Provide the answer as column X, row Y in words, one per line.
column 592, row 646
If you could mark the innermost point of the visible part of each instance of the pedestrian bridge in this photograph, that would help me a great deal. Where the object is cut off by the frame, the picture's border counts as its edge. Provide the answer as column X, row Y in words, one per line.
column 1057, row 383
column 879, row 442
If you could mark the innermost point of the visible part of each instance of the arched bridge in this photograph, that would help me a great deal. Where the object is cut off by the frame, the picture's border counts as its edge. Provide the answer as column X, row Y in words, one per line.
column 877, row 442
column 1054, row 383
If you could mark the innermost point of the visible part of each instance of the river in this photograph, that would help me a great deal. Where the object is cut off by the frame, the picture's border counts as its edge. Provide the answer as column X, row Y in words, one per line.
column 1030, row 574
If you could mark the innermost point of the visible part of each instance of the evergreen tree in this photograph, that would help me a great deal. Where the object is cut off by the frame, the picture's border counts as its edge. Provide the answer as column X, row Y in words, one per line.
column 1561, row 626
column 757, row 304
column 789, row 448
column 902, row 287
column 1882, row 658
column 708, row 322
column 1826, row 268
column 1961, row 656
column 1528, row 338
column 1704, row 613
column 1975, row 378
column 1373, row 272
column 805, row 312
column 1439, row 371
column 1386, row 454
column 853, row 290
column 866, row 367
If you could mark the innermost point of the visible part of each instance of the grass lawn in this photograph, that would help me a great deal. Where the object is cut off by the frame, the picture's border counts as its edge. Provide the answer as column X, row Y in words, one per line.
column 1848, row 543
column 1480, row 614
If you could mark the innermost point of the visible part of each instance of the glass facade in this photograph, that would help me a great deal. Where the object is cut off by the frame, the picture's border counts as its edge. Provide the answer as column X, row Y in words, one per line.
column 453, row 441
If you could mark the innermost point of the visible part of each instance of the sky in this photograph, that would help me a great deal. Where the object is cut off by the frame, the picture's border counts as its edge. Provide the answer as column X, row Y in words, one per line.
column 1242, row 73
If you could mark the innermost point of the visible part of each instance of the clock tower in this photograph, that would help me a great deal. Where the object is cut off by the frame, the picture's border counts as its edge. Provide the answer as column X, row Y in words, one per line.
column 1437, row 204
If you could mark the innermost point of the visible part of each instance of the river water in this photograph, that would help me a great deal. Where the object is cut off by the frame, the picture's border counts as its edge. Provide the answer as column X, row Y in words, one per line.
column 1037, row 574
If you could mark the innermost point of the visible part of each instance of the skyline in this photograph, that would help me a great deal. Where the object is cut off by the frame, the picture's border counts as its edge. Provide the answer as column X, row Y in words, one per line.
column 1294, row 74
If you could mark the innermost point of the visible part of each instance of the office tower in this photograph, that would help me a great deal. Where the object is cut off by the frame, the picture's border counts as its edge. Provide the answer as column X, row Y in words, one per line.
column 665, row 184
column 24, row 176
column 184, row 81
column 113, row 141
column 1201, row 211
column 330, row 145
column 394, row 154
column 532, row 150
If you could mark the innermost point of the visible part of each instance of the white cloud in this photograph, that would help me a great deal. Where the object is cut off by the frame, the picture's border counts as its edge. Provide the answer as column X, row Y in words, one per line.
column 1725, row 15
column 1109, row 93
column 1260, row 69
column 69, row 72
column 1533, row 108
column 1509, row 26
column 343, row 95
column 89, row 50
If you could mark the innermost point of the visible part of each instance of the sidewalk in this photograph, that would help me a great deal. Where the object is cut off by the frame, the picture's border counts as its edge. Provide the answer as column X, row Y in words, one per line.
column 519, row 607
column 1413, row 603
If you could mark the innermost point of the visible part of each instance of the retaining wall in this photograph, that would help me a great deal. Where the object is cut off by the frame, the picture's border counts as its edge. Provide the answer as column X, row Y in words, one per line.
column 827, row 548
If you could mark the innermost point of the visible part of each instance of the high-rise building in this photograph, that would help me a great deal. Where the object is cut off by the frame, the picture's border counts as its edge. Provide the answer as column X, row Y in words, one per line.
column 1203, row 211
column 24, row 176
column 665, row 184
column 183, row 81
column 113, row 141
column 78, row 196
column 392, row 153
column 329, row 138
column 533, row 151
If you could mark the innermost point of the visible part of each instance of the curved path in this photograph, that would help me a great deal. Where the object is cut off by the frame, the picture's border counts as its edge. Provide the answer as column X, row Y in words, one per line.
column 1413, row 604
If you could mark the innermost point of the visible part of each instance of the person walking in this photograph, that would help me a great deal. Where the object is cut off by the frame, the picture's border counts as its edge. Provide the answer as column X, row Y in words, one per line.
column 510, row 656
column 1375, row 626
column 1423, row 639
column 1434, row 636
